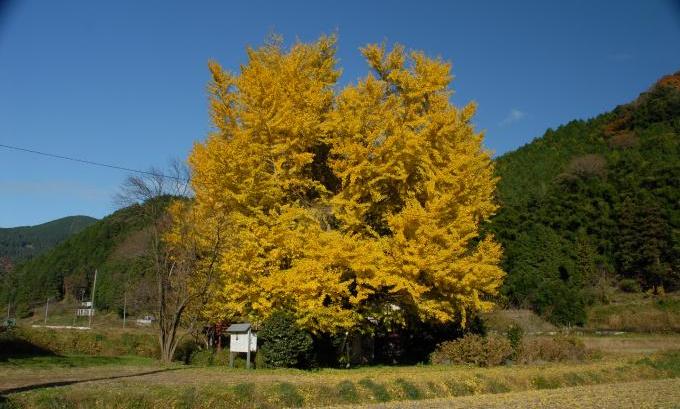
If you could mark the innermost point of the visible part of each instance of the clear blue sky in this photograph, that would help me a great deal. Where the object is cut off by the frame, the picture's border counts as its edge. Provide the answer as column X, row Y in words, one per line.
column 124, row 82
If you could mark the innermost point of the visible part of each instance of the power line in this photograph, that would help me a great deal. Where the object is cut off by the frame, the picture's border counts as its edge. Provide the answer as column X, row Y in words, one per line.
column 89, row 162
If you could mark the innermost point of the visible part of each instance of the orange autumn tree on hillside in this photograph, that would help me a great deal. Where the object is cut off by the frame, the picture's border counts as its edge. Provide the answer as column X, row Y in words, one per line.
column 345, row 207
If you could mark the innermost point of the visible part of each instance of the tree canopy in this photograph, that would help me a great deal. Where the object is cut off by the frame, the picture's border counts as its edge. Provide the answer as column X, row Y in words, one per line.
column 345, row 207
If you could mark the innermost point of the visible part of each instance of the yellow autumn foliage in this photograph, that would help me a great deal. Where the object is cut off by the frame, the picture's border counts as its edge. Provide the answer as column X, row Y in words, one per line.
column 347, row 207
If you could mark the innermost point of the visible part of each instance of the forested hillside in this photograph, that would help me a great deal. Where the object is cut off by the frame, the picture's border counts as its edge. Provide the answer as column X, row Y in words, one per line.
column 591, row 203
column 21, row 243
column 112, row 245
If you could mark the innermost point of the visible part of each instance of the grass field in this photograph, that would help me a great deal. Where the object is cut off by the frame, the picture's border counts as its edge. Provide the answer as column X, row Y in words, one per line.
column 628, row 370
column 631, row 343
column 637, row 313
column 664, row 393
column 133, row 382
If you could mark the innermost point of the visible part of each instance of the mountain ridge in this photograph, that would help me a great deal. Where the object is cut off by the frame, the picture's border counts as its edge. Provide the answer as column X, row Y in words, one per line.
column 74, row 216
column 23, row 242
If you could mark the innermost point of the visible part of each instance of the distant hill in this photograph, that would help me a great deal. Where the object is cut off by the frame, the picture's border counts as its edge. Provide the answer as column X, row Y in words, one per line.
column 21, row 243
column 112, row 245
column 592, row 202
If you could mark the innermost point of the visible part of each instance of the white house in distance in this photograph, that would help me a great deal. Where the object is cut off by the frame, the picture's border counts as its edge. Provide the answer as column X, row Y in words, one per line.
column 85, row 309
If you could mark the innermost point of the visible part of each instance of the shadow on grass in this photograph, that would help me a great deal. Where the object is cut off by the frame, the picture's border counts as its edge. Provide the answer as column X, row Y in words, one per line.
column 73, row 361
column 289, row 395
column 410, row 390
column 347, row 392
column 379, row 391
column 12, row 347
column 76, row 381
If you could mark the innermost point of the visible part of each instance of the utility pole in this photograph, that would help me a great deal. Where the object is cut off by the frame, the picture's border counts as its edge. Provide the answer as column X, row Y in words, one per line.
column 124, row 306
column 94, row 286
column 248, row 351
column 47, row 304
column 9, row 303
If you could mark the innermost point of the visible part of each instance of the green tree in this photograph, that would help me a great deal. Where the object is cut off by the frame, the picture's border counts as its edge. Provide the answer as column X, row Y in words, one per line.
column 284, row 343
column 627, row 239
column 645, row 245
column 586, row 270
column 653, row 245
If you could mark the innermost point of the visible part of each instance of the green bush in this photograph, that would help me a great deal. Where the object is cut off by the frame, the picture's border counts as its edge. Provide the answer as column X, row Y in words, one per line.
column 209, row 357
column 284, row 344
column 221, row 358
column 542, row 382
column 473, row 349
column 185, row 350
column 259, row 360
column 202, row 357
column 515, row 335
column 629, row 285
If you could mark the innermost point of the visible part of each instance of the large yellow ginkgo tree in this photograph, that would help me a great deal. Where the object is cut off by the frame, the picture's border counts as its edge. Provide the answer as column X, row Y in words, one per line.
column 346, row 208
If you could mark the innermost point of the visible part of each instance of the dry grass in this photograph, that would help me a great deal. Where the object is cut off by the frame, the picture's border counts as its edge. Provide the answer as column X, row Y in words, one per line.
column 500, row 320
column 18, row 373
column 627, row 344
column 146, row 384
column 663, row 393
column 96, row 342
column 114, row 382
column 552, row 349
column 473, row 349
column 637, row 313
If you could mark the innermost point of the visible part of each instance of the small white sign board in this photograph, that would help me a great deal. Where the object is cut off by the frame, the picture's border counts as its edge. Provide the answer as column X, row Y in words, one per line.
column 84, row 312
column 239, row 342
